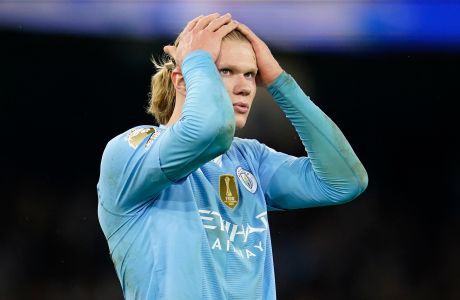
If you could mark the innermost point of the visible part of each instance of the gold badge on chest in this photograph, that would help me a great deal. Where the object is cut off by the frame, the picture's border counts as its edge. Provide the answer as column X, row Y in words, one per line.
column 228, row 191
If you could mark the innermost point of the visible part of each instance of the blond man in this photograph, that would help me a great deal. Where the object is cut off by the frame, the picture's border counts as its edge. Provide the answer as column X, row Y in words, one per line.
column 184, row 205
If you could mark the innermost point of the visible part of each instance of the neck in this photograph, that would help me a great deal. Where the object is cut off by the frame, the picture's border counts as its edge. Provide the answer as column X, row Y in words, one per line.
column 175, row 116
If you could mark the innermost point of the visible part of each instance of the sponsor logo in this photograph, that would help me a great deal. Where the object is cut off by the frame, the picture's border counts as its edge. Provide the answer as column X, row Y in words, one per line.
column 247, row 179
column 225, row 236
column 218, row 160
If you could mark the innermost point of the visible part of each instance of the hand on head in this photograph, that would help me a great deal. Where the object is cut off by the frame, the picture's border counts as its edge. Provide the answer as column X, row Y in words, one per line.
column 268, row 67
column 206, row 33
column 202, row 33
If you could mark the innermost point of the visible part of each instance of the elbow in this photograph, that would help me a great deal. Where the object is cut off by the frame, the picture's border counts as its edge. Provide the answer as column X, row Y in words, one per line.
column 215, row 135
column 221, row 137
column 220, row 131
column 353, row 188
column 361, row 180
column 226, row 133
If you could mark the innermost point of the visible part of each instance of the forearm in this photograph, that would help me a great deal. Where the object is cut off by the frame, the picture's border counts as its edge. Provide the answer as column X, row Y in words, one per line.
column 333, row 160
column 206, row 127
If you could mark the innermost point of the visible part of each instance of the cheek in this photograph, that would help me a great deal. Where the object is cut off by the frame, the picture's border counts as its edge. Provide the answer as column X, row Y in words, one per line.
column 254, row 85
column 228, row 84
column 254, row 90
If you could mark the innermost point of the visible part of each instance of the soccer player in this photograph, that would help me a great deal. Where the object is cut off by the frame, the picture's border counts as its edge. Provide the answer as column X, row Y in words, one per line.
column 184, row 205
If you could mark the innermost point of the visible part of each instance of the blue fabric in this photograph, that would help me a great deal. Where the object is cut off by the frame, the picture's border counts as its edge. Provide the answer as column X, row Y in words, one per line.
column 185, row 243
column 164, row 193
column 331, row 174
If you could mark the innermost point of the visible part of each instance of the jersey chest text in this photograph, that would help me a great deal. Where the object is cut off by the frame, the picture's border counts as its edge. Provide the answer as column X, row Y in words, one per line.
column 235, row 219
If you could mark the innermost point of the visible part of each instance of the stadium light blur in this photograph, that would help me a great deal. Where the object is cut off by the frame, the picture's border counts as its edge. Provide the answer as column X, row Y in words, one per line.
column 331, row 25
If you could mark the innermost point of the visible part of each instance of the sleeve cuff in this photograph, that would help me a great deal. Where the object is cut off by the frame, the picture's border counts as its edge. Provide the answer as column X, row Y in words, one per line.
column 278, row 82
column 197, row 59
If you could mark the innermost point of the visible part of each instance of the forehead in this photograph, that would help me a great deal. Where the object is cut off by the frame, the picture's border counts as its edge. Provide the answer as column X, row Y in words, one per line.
column 237, row 53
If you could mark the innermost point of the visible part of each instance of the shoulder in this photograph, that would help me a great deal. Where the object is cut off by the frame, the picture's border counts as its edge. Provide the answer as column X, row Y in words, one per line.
column 254, row 148
column 244, row 143
column 248, row 146
column 129, row 142
column 133, row 137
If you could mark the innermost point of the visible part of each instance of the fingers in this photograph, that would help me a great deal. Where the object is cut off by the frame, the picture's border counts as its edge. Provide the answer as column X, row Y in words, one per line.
column 203, row 22
column 217, row 23
column 227, row 28
column 191, row 24
column 211, row 22
column 251, row 36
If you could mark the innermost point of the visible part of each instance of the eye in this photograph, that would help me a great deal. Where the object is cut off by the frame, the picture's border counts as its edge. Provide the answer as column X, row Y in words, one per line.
column 225, row 71
column 250, row 75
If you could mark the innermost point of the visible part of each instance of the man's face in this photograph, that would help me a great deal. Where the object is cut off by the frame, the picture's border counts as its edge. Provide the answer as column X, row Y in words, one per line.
column 238, row 68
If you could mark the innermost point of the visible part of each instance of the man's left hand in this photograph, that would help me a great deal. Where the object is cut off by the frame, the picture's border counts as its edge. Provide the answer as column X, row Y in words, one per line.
column 269, row 68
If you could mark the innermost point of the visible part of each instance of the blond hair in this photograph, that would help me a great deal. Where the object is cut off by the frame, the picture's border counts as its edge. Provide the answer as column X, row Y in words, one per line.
column 162, row 97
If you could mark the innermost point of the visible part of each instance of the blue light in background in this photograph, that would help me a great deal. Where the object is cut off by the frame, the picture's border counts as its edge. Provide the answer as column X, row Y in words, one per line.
column 290, row 25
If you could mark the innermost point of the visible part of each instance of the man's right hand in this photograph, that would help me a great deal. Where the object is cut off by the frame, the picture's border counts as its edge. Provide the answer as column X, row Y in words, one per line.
column 202, row 33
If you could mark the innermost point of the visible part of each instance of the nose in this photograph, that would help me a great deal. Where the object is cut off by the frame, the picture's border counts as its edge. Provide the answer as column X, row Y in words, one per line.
column 242, row 86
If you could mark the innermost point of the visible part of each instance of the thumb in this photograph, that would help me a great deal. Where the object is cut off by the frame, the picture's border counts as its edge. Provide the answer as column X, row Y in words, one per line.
column 171, row 51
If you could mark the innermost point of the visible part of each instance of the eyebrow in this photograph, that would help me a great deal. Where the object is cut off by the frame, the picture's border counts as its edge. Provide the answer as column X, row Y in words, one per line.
column 235, row 68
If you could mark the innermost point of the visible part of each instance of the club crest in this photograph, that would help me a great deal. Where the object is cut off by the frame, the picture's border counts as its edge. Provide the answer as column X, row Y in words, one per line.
column 228, row 191
column 247, row 179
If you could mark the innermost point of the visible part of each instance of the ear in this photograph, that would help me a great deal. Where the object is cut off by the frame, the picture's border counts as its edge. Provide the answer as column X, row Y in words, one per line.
column 178, row 81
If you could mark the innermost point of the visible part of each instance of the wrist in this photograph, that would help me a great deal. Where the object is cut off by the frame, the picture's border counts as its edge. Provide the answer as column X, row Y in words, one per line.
column 279, row 82
column 273, row 76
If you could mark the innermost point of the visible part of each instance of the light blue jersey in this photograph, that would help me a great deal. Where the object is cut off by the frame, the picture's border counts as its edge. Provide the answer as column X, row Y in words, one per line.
column 184, row 208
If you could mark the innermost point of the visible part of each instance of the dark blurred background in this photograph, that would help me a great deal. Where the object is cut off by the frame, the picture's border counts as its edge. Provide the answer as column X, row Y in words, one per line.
column 73, row 74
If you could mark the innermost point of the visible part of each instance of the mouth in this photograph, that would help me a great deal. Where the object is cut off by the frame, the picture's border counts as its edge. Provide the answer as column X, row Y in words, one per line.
column 240, row 107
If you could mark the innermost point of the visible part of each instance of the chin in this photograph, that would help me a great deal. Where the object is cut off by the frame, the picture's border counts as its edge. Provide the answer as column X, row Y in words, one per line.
column 240, row 122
